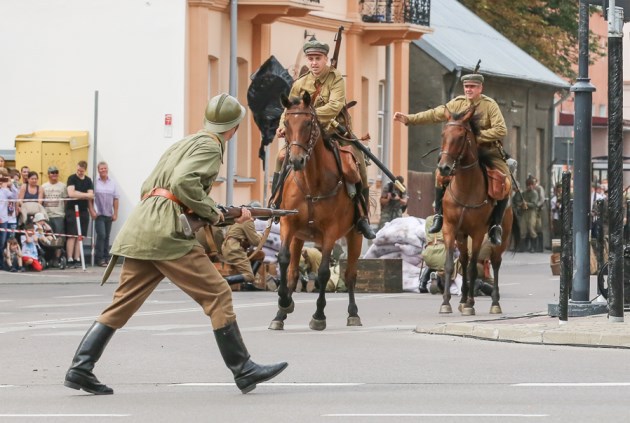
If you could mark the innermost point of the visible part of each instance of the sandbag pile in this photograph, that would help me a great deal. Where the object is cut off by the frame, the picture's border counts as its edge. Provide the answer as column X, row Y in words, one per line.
column 272, row 244
column 402, row 238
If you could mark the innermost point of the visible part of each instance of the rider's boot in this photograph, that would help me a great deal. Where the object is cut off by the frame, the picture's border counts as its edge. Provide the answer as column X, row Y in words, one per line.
column 274, row 188
column 437, row 218
column 247, row 374
column 495, row 233
column 363, row 225
column 79, row 375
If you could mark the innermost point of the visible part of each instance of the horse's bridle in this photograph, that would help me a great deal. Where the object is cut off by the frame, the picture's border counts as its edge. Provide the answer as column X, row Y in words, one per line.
column 313, row 136
column 466, row 145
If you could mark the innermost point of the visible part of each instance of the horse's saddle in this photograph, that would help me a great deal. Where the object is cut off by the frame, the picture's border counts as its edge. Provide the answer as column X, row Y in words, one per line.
column 349, row 164
column 499, row 184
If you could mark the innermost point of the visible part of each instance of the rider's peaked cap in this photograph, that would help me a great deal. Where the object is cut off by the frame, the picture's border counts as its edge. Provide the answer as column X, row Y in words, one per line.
column 314, row 47
column 473, row 77
column 223, row 113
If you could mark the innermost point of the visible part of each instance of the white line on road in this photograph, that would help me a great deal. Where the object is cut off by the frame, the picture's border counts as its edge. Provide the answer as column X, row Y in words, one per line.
column 270, row 384
column 65, row 415
column 572, row 384
column 434, row 415
column 79, row 296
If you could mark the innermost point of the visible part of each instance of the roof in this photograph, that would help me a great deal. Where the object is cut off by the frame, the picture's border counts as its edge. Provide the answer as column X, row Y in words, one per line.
column 461, row 38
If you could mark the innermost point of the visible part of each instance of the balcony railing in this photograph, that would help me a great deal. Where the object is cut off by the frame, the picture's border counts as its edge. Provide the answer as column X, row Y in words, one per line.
column 396, row 11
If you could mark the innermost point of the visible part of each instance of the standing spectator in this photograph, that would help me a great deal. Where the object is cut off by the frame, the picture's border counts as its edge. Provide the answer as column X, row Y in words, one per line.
column 555, row 204
column 54, row 192
column 393, row 202
column 81, row 191
column 24, row 173
column 539, row 207
column 2, row 161
column 104, row 211
column 8, row 194
column 32, row 194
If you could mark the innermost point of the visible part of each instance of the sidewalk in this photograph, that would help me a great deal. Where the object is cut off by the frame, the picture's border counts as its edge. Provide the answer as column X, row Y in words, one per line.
column 537, row 327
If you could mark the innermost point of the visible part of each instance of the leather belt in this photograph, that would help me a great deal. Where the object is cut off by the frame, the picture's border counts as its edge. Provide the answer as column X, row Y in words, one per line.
column 163, row 192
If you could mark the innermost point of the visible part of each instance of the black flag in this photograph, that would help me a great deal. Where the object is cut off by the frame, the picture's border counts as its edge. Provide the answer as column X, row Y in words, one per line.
column 263, row 97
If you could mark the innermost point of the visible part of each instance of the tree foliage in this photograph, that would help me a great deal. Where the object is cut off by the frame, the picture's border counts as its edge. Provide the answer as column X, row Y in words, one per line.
column 546, row 29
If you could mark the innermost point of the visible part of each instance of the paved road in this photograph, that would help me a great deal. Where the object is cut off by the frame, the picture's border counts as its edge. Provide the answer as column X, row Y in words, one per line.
column 165, row 367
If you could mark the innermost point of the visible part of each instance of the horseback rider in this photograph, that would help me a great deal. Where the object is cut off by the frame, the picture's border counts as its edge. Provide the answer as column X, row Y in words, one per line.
column 492, row 126
column 327, row 89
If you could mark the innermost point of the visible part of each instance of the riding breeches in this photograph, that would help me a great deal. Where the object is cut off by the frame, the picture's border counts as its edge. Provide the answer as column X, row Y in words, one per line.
column 193, row 273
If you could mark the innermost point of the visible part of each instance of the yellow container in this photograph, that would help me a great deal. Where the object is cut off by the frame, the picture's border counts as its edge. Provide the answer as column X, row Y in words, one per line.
column 42, row 149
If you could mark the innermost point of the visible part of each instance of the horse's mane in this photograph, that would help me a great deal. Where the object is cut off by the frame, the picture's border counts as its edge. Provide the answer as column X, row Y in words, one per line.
column 473, row 121
column 295, row 101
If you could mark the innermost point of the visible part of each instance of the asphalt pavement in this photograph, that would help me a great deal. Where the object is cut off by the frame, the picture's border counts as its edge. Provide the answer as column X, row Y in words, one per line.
column 529, row 323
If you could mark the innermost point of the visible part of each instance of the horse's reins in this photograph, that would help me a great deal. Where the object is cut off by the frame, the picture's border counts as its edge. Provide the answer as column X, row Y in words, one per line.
column 466, row 145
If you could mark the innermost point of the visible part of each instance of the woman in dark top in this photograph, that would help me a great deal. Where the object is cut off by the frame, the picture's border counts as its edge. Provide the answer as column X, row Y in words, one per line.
column 30, row 191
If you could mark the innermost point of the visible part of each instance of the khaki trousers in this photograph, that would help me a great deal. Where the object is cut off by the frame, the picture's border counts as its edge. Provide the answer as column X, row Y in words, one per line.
column 193, row 273
column 236, row 257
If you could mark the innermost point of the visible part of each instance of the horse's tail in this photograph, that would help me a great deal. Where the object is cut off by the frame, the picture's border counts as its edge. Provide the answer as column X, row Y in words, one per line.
column 515, row 234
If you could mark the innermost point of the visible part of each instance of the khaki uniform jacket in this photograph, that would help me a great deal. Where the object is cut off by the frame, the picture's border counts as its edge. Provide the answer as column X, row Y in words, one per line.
column 187, row 169
column 242, row 232
column 331, row 97
column 491, row 122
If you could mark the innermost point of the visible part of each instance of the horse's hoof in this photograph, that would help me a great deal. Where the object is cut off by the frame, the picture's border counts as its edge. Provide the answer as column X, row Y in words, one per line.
column 354, row 321
column 445, row 309
column 289, row 309
column 468, row 311
column 317, row 324
column 460, row 307
column 276, row 325
column 496, row 309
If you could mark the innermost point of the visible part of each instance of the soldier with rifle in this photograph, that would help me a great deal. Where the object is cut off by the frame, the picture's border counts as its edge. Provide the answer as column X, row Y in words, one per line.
column 154, row 246
column 327, row 89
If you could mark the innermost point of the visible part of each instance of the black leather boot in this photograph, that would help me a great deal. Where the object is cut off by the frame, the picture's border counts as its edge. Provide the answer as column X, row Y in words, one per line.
column 437, row 218
column 274, row 182
column 247, row 374
column 363, row 225
column 232, row 279
column 424, row 280
column 80, row 375
column 495, row 233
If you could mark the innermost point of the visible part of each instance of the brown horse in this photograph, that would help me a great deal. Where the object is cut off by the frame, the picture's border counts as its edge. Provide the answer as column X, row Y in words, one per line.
column 467, row 210
column 314, row 186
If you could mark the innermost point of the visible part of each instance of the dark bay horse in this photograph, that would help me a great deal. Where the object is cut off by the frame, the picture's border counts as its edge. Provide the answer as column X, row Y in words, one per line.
column 316, row 188
column 467, row 209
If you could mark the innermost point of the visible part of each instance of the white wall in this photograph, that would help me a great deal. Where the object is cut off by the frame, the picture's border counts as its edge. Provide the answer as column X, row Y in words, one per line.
column 56, row 54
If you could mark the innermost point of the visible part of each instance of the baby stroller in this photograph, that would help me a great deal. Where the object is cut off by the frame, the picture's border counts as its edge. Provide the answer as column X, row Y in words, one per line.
column 49, row 244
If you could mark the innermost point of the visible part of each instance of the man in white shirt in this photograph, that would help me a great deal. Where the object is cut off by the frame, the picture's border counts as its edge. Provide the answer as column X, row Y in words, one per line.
column 54, row 193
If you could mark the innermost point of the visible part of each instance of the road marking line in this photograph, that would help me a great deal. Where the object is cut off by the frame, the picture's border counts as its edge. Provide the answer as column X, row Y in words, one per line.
column 79, row 296
column 7, row 386
column 65, row 415
column 269, row 384
column 434, row 415
column 571, row 384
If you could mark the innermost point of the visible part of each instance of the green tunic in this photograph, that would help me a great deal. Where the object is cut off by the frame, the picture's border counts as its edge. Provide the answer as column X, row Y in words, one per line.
column 187, row 169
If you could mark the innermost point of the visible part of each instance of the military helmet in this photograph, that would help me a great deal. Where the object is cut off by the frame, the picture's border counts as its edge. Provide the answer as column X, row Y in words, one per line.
column 223, row 113
column 475, row 78
column 316, row 47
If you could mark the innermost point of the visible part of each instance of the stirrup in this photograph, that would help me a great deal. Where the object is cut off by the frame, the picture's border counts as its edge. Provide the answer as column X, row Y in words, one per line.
column 495, row 234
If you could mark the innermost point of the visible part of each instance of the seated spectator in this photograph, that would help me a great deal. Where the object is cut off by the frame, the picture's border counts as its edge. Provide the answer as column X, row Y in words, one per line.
column 30, row 256
column 13, row 256
column 42, row 229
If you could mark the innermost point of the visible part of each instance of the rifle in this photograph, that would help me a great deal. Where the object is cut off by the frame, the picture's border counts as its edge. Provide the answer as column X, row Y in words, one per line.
column 191, row 222
column 335, row 57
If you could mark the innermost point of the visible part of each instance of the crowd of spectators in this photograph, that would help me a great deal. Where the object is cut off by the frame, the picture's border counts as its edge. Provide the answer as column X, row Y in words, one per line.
column 38, row 222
